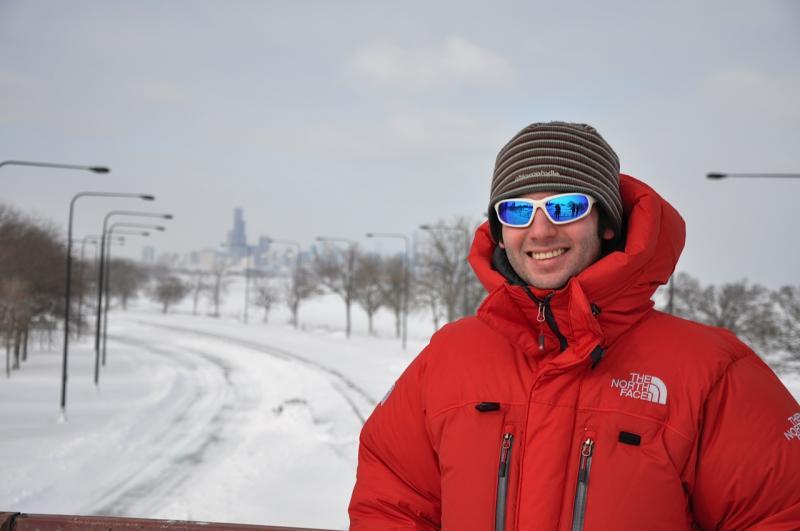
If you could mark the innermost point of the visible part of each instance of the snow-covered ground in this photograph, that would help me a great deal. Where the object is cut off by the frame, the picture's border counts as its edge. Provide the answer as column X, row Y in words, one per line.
column 203, row 418
column 200, row 418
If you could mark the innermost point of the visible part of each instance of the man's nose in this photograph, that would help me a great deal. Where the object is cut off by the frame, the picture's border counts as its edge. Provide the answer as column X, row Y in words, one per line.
column 541, row 227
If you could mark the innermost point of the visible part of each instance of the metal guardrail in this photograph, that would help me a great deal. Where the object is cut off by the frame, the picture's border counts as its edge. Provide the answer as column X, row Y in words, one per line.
column 55, row 522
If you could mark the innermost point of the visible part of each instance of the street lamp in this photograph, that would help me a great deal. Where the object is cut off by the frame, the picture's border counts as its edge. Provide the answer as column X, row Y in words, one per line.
column 108, row 282
column 405, row 274
column 340, row 240
column 95, row 169
column 101, row 269
column 248, row 249
column 465, row 300
column 67, row 294
column 717, row 176
column 93, row 239
column 348, row 287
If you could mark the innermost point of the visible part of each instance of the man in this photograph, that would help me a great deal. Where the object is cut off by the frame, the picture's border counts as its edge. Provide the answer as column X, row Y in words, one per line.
column 568, row 402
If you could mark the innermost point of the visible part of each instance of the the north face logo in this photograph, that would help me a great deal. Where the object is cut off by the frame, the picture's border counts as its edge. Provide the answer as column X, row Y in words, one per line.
column 794, row 428
column 642, row 387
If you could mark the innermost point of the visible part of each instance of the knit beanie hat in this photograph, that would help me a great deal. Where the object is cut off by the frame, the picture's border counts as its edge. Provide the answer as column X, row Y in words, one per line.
column 557, row 157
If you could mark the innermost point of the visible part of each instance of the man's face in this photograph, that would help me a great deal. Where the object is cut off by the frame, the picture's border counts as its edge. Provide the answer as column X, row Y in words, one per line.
column 545, row 255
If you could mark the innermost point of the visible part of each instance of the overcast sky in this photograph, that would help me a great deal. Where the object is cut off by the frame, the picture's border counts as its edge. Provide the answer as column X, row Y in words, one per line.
column 338, row 118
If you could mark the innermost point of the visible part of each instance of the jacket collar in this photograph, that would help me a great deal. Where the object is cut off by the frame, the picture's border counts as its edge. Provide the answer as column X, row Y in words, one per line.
column 620, row 284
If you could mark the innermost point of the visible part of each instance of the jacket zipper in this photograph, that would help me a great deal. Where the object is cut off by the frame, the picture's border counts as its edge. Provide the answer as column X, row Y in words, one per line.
column 540, row 317
column 546, row 314
column 502, row 481
column 582, row 490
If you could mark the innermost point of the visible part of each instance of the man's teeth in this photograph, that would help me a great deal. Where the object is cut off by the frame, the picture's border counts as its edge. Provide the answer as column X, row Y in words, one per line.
column 548, row 254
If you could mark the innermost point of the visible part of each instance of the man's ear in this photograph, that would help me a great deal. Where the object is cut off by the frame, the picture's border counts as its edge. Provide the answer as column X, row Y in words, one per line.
column 608, row 233
column 501, row 244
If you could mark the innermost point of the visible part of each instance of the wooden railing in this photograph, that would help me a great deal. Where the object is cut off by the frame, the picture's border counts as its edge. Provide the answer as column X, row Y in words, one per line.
column 54, row 522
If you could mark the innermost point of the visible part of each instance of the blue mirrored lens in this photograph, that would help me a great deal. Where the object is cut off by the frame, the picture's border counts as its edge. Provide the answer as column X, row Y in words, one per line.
column 515, row 212
column 567, row 207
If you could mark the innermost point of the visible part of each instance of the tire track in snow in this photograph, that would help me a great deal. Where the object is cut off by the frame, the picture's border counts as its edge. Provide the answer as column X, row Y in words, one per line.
column 188, row 437
column 165, row 473
column 350, row 385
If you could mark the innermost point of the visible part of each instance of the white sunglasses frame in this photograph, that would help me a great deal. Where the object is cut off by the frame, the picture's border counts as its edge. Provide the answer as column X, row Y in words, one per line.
column 540, row 204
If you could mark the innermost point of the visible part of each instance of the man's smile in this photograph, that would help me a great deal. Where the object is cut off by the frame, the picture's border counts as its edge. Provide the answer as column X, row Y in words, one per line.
column 546, row 255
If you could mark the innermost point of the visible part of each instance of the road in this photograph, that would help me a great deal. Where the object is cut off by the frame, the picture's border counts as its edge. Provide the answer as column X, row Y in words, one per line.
column 224, row 387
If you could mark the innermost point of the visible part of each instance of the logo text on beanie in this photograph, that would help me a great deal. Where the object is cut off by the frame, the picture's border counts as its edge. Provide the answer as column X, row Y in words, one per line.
column 794, row 429
column 641, row 387
column 541, row 173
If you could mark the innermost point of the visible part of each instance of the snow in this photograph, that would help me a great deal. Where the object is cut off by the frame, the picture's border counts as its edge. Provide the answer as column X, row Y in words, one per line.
column 198, row 418
column 203, row 418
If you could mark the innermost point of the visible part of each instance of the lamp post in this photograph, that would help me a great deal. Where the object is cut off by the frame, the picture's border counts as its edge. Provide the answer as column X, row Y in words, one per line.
column 108, row 282
column 93, row 239
column 94, row 169
column 101, row 269
column 465, row 300
column 717, row 176
column 69, row 282
column 405, row 274
column 348, row 287
column 248, row 250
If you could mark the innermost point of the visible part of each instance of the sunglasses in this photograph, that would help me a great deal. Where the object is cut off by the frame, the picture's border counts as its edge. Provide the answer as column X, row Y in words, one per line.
column 560, row 209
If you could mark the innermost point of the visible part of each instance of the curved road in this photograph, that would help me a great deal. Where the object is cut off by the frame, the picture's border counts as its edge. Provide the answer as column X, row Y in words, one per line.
column 212, row 398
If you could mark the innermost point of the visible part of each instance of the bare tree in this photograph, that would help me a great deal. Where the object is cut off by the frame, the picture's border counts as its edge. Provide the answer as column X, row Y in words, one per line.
column 335, row 269
column 302, row 286
column 441, row 269
column 687, row 295
column 13, row 293
column 218, row 285
column 125, row 279
column 746, row 310
column 31, row 278
column 391, row 286
column 265, row 295
column 474, row 292
column 368, row 294
column 197, row 287
column 788, row 299
column 169, row 290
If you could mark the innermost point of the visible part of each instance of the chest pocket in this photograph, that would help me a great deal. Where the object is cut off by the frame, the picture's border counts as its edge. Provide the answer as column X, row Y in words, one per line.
column 633, row 480
column 479, row 448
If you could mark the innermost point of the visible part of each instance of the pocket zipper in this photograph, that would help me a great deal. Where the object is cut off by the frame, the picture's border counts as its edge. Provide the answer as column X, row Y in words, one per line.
column 582, row 490
column 502, row 481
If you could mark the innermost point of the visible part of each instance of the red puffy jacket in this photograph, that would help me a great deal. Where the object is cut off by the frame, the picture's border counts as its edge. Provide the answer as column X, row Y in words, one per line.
column 627, row 418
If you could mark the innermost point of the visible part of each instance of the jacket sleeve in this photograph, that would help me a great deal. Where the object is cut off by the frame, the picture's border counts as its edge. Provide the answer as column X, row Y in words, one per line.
column 748, row 466
column 397, row 482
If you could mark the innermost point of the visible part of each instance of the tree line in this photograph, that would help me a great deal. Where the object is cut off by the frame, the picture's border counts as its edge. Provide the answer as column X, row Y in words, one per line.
column 32, row 276
column 766, row 319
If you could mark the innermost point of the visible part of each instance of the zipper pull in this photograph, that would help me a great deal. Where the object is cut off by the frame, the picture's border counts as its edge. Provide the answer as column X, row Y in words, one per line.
column 586, row 453
column 504, row 451
column 540, row 318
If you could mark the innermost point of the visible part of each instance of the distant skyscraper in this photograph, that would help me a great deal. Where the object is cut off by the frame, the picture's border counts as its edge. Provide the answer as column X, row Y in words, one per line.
column 237, row 239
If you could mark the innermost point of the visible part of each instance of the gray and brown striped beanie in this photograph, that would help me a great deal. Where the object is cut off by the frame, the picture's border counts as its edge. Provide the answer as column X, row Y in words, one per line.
column 557, row 157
